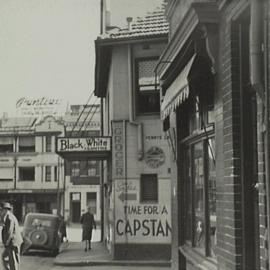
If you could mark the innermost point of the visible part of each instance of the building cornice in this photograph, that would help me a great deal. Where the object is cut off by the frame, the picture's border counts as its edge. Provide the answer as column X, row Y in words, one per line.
column 199, row 13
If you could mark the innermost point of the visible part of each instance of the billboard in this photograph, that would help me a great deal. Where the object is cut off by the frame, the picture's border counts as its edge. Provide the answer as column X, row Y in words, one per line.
column 35, row 107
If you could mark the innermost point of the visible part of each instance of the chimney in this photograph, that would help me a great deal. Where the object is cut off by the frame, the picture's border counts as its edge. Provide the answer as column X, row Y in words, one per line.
column 129, row 20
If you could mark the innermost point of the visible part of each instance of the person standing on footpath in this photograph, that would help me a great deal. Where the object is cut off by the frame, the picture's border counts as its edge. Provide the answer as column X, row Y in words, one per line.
column 88, row 223
column 11, row 238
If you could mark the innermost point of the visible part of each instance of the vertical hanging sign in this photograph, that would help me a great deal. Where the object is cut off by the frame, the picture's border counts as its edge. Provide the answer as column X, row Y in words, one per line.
column 118, row 163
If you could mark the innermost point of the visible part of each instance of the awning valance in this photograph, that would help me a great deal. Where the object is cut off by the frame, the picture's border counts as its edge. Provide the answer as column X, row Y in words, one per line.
column 177, row 92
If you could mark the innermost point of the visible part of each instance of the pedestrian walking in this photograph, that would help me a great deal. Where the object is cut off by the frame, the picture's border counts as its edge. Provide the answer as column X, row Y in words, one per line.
column 11, row 238
column 88, row 223
column 63, row 229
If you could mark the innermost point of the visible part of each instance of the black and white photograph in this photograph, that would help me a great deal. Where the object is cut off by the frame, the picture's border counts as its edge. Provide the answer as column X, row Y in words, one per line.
column 135, row 134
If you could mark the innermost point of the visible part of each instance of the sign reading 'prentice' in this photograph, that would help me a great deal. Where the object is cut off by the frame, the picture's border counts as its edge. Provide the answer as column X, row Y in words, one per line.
column 83, row 144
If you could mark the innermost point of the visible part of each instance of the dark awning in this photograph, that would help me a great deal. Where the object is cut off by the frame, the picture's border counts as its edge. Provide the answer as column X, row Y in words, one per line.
column 178, row 91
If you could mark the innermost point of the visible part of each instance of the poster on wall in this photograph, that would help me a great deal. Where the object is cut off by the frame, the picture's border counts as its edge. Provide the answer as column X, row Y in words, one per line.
column 138, row 222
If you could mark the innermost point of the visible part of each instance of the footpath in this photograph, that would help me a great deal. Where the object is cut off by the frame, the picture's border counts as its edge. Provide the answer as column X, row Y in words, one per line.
column 73, row 254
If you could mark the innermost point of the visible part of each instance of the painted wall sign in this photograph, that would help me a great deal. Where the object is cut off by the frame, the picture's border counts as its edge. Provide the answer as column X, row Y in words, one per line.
column 155, row 157
column 40, row 106
column 137, row 222
column 83, row 144
column 118, row 167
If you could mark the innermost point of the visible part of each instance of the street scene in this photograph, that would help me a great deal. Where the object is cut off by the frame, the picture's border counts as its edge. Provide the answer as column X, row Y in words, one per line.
column 135, row 134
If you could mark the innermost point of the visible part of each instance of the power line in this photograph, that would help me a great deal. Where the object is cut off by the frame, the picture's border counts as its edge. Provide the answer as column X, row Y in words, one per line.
column 78, row 119
column 90, row 110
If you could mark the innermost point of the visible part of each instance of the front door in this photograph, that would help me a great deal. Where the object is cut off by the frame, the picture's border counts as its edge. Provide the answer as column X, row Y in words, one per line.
column 75, row 207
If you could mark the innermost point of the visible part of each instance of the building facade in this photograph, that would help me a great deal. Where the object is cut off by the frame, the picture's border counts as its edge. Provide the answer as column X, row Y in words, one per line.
column 35, row 179
column 214, row 77
column 32, row 175
column 82, row 186
column 137, row 217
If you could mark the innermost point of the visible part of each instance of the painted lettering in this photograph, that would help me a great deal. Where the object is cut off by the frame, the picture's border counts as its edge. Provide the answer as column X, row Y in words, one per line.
column 147, row 227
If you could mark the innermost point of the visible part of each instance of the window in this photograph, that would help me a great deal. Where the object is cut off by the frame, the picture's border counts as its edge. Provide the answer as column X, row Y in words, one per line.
column 26, row 173
column 200, row 196
column 148, row 99
column 27, row 144
column 75, row 168
column 48, row 173
column 85, row 168
column 149, row 188
column 48, row 143
column 6, row 144
column 55, row 174
column 6, row 174
column 93, row 168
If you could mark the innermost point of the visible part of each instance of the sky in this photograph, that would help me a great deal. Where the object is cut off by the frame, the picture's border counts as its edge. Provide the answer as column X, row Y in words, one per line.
column 47, row 47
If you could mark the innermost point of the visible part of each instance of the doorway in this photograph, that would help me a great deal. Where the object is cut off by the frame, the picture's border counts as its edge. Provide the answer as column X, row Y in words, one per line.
column 75, row 207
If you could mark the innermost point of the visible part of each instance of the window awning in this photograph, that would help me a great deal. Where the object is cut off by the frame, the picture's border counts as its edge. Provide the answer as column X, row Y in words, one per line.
column 177, row 92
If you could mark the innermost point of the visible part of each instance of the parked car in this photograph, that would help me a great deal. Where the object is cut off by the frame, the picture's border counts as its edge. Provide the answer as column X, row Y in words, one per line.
column 42, row 232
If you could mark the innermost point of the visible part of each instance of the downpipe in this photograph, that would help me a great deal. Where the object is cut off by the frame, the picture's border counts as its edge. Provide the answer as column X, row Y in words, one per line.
column 258, row 70
column 131, row 109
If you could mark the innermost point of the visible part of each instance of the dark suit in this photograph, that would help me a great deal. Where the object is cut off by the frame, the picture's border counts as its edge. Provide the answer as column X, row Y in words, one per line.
column 12, row 240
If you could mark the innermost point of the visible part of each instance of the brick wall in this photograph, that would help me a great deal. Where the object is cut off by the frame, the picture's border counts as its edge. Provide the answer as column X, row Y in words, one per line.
column 229, row 195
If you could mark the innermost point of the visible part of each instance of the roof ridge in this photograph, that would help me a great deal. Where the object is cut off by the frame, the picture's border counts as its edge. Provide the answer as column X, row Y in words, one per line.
column 153, row 22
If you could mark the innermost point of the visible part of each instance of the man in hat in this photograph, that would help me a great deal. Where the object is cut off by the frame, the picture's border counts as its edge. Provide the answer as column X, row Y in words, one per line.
column 11, row 238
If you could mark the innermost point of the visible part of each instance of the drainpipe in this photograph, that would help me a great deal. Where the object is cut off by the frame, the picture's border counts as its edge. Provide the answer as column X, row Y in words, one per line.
column 266, row 119
column 131, row 108
column 256, row 63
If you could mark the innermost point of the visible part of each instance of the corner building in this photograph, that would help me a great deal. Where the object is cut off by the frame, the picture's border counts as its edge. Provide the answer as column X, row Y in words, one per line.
column 137, row 178
column 214, row 77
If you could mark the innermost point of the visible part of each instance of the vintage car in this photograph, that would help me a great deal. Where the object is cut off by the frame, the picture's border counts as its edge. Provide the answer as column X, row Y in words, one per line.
column 42, row 232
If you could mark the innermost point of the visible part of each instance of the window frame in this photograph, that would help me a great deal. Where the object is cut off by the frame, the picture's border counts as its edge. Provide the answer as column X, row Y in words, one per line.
column 25, row 168
column 48, row 143
column 48, row 173
column 150, row 175
column 139, row 94
column 26, row 149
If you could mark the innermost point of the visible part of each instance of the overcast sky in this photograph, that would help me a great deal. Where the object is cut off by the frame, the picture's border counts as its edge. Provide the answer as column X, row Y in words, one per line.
column 47, row 47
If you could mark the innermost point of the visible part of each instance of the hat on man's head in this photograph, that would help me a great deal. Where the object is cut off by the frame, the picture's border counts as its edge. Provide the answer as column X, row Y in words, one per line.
column 7, row 206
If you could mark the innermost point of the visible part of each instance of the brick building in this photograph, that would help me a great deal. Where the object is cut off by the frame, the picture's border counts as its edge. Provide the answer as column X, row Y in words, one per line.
column 214, row 77
column 137, row 177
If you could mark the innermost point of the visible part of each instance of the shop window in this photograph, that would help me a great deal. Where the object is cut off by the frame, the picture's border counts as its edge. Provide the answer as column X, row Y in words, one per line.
column 48, row 174
column 200, row 196
column 149, row 188
column 6, row 144
column 26, row 173
column 148, row 99
column 27, row 144
column 48, row 143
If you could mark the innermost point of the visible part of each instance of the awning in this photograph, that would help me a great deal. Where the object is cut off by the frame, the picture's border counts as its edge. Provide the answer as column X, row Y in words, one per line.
column 177, row 92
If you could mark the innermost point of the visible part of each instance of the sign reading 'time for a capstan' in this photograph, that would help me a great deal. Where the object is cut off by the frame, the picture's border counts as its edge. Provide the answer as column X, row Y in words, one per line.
column 83, row 144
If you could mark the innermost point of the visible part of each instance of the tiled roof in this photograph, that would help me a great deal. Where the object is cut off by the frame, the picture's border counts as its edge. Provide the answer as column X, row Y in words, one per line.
column 153, row 23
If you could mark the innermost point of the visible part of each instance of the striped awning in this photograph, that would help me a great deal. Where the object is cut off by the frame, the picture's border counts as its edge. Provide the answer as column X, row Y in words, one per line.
column 177, row 92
